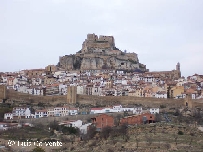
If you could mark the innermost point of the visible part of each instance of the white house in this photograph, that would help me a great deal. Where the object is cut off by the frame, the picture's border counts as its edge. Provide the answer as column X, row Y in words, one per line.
column 75, row 123
column 8, row 116
column 30, row 116
column 135, row 78
column 154, row 110
column 96, row 110
column 201, row 84
column 3, row 126
column 80, row 89
column 161, row 94
column 137, row 110
column 50, row 112
column 124, row 82
column 72, row 123
column 117, row 108
column 193, row 95
column 128, row 109
column 22, row 89
column 83, row 128
column 62, row 89
column 107, row 110
column 61, row 111
column 73, row 111
column 20, row 112
column 182, row 95
column 96, row 90
column 60, row 74
column 36, row 81
column 11, row 81
column 41, row 113
column 150, row 79
column 4, row 79
column 119, row 72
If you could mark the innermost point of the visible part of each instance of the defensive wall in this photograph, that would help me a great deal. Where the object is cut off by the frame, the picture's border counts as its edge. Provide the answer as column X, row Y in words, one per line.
column 3, row 92
column 112, row 100
column 105, row 100
column 17, row 96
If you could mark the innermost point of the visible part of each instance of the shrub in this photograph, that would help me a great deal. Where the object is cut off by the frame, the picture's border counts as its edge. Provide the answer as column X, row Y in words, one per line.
column 162, row 106
column 180, row 132
column 70, row 130
column 38, row 149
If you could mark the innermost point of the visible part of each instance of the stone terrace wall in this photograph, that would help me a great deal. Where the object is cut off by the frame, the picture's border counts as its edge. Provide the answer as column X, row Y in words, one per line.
column 3, row 92
column 13, row 95
column 130, row 100
column 198, row 103
column 103, row 100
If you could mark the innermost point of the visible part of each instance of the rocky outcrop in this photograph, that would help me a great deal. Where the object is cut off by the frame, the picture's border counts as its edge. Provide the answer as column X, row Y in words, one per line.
column 100, row 53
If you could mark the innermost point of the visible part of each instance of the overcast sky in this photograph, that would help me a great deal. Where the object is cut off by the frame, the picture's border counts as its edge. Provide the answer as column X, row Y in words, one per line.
column 34, row 33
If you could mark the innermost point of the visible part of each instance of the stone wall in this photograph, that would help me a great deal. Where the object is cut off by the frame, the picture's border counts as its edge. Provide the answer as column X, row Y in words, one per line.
column 101, row 45
column 3, row 92
column 130, row 100
column 105, row 100
column 17, row 96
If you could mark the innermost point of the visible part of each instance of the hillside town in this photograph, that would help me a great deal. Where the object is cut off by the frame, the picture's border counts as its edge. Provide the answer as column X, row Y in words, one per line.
column 52, row 81
column 25, row 112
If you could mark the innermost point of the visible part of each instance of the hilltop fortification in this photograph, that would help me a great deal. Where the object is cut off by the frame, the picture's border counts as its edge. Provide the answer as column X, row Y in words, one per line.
column 100, row 53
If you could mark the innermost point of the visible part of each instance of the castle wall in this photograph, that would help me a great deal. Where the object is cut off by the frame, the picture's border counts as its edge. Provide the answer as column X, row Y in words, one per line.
column 71, row 94
column 101, row 45
column 36, row 72
column 3, row 92
column 104, row 49
column 110, row 39
column 152, row 102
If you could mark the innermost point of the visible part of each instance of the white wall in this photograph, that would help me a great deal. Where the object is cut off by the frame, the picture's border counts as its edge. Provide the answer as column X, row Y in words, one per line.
column 154, row 110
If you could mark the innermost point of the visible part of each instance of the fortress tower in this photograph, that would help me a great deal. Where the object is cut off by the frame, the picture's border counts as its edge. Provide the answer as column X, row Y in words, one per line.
column 3, row 92
column 71, row 94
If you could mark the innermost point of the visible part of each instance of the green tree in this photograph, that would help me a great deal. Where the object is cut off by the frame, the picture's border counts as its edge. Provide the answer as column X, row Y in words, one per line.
column 70, row 130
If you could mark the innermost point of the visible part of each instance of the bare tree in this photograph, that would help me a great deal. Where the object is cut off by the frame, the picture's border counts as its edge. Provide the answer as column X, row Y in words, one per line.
column 180, row 118
column 168, row 146
column 117, row 120
column 105, row 132
column 175, row 136
column 148, row 139
column 137, row 140
column 157, row 117
column 91, row 132
column 123, row 130
column 192, row 136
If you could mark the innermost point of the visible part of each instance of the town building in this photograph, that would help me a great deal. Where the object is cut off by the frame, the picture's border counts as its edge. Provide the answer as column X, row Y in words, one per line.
column 102, row 120
column 138, row 119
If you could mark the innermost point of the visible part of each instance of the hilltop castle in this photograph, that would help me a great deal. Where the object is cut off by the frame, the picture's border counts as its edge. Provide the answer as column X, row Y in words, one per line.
column 101, row 53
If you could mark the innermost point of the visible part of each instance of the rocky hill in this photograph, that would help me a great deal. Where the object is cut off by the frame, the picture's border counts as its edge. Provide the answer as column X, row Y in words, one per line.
column 101, row 53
